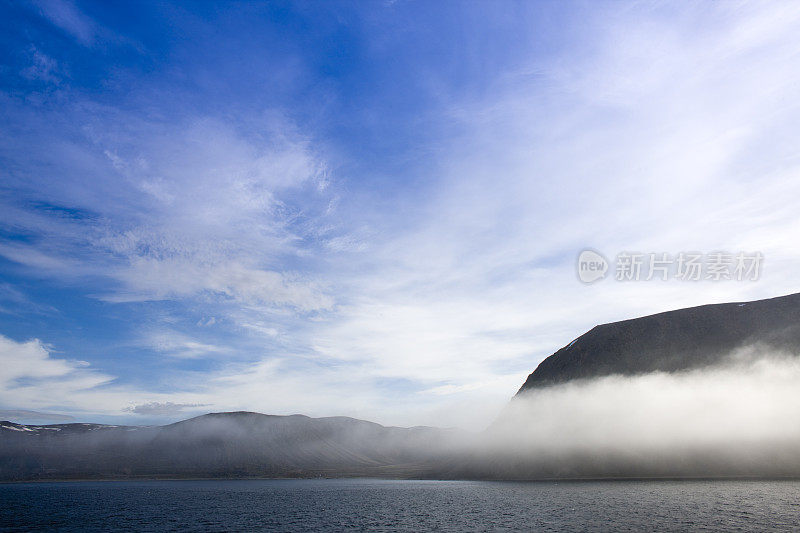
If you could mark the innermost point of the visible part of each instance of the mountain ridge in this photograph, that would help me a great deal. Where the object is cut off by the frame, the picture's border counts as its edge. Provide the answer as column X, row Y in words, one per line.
column 670, row 341
column 228, row 444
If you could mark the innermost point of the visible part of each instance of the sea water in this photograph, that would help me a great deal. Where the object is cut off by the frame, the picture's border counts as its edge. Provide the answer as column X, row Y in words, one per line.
column 382, row 505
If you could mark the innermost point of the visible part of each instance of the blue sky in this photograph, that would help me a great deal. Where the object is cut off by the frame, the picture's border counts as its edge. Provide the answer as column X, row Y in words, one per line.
column 368, row 208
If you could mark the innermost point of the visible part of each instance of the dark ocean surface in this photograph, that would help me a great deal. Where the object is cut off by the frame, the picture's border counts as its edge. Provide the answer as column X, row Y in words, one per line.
column 380, row 505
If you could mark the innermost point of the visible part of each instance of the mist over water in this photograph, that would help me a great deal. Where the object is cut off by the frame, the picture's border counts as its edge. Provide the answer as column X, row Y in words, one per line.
column 740, row 418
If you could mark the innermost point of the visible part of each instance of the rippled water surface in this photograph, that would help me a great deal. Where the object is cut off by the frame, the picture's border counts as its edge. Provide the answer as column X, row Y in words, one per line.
column 344, row 505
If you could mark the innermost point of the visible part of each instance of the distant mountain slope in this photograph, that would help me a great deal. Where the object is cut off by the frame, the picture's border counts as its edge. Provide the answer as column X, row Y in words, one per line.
column 675, row 340
column 237, row 444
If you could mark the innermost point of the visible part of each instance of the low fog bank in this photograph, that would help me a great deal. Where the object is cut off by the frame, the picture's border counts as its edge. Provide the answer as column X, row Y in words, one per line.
column 738, row 418
column 235, row 445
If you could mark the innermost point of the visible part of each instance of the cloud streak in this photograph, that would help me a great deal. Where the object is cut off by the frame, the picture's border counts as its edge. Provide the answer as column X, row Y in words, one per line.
column 160, row 408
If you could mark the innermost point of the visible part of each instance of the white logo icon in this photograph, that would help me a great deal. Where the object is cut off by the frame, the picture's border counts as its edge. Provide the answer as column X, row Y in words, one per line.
column 591, row 266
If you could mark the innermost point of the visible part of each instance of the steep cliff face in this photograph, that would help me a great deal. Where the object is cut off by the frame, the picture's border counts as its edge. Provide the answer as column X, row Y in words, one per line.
column 675, row 340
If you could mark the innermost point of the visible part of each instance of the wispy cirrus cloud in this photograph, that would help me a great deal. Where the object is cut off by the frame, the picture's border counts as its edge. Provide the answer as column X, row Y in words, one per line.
column 203, row 213
column 66, row 16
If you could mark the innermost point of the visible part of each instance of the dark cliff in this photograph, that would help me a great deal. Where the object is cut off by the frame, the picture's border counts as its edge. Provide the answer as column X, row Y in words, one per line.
column 672, row 341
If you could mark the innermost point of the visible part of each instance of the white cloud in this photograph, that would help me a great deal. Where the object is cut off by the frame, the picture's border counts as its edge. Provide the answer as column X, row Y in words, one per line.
column 178, row 345
column 42, row 67
column 69, row 18
column 160, row 408
column 207, row 322
column 32, row 377
column 27, row 417
column 163, row 279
